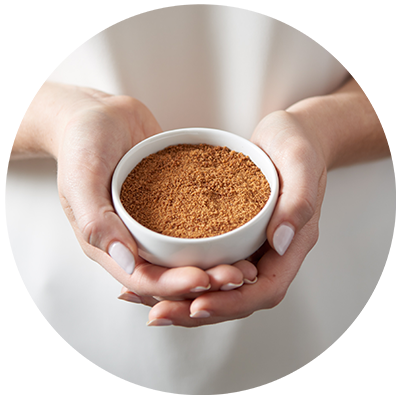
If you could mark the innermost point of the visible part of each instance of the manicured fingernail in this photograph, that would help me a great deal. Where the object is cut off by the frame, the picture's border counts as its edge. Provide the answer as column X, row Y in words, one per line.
column 122, row 256
column 159, row 322
column 131, row 297
column 200, row 288
column 231, row 286
column 282, row 238
column 200, row 314
column 248, row 281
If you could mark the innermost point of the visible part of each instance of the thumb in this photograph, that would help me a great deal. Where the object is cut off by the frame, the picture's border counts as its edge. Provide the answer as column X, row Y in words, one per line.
column 302, row 179
column 297, row 203
column 301, row 192
column 88, row 206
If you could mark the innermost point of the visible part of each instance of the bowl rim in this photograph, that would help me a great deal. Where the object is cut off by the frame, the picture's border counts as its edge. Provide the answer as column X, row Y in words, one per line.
column 177, row 240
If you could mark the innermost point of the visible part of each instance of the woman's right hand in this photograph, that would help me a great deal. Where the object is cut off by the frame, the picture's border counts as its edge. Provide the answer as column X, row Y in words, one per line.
column 88, row 132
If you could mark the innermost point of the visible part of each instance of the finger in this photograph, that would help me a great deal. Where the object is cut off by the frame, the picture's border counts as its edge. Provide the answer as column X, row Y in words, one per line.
column 89, row 209
column 93, row 142
column 165, row 312
column 132, row 297
column 178, row 313
column 293, row 211
column 189, row 282
column 275, row 275
column 225, row 277
column 248, row 270
column 301, row 174
column 106, row 232
column 168, row 312
column 149, row 280
column 210, row 308
column 256, row 256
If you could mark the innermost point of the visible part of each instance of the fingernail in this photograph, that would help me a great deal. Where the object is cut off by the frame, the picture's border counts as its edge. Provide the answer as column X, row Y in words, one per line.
column 282, row 238
column 159, row 322
column 122, row 256
column 248, row 281
column 131, row 297
column 230, row 286
column 200, row 314
column 200, row 288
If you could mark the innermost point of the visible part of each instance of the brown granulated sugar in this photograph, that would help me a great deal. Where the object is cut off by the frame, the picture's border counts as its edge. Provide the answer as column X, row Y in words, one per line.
column 194, row 191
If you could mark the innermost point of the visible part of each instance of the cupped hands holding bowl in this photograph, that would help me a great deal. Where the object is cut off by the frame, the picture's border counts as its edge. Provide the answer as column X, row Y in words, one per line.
column 88, row 132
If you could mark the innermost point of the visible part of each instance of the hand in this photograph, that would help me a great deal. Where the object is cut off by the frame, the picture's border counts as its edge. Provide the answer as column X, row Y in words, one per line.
column 292, row 232
column 90, row 131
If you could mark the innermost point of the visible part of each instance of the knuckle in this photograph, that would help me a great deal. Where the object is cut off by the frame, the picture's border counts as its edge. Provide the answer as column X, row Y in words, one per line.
column 92, row 227
column 90, row 231
column 125, row 100
column 306, row 207
column 313, row 236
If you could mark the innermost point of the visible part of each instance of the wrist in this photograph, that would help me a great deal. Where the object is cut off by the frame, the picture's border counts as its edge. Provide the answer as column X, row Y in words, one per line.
column 311, row 114
column 36, row 114
column 345, row 124
column 21, row 139
column 38, row 133
column 44, row 124
column 33, row 134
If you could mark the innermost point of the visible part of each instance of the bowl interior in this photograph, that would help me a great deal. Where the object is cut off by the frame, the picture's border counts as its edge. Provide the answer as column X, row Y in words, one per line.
column 192, row 136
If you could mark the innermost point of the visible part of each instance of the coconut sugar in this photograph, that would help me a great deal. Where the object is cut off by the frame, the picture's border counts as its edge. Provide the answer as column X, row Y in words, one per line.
column 194, row 191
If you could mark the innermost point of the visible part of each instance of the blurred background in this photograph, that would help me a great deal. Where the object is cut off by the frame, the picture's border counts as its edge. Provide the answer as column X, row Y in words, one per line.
column 66, row 333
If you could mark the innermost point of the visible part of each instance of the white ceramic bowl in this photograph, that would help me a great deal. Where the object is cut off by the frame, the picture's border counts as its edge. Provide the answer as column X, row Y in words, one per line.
column 206, row 252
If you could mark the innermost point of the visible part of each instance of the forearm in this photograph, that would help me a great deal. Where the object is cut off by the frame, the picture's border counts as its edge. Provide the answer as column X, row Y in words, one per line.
column 358, row 122
column 346, row 125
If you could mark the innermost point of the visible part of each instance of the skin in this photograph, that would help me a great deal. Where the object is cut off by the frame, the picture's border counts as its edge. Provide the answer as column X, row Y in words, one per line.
column 87, row 132
column 304, row 142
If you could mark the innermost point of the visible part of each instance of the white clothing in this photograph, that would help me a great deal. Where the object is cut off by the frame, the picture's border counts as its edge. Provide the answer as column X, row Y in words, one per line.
column 224, row 68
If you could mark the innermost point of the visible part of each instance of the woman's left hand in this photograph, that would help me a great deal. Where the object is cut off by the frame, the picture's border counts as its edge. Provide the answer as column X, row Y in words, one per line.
column 292, row 232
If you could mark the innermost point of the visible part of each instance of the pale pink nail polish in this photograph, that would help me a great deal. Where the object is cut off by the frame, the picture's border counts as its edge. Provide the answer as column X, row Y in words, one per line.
column 131, row 297
column 248, row 281
column 283, row 237
column 159, row 322
column 200, row 288
column 200, row 314
column 231, row 286
column 122, row 256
